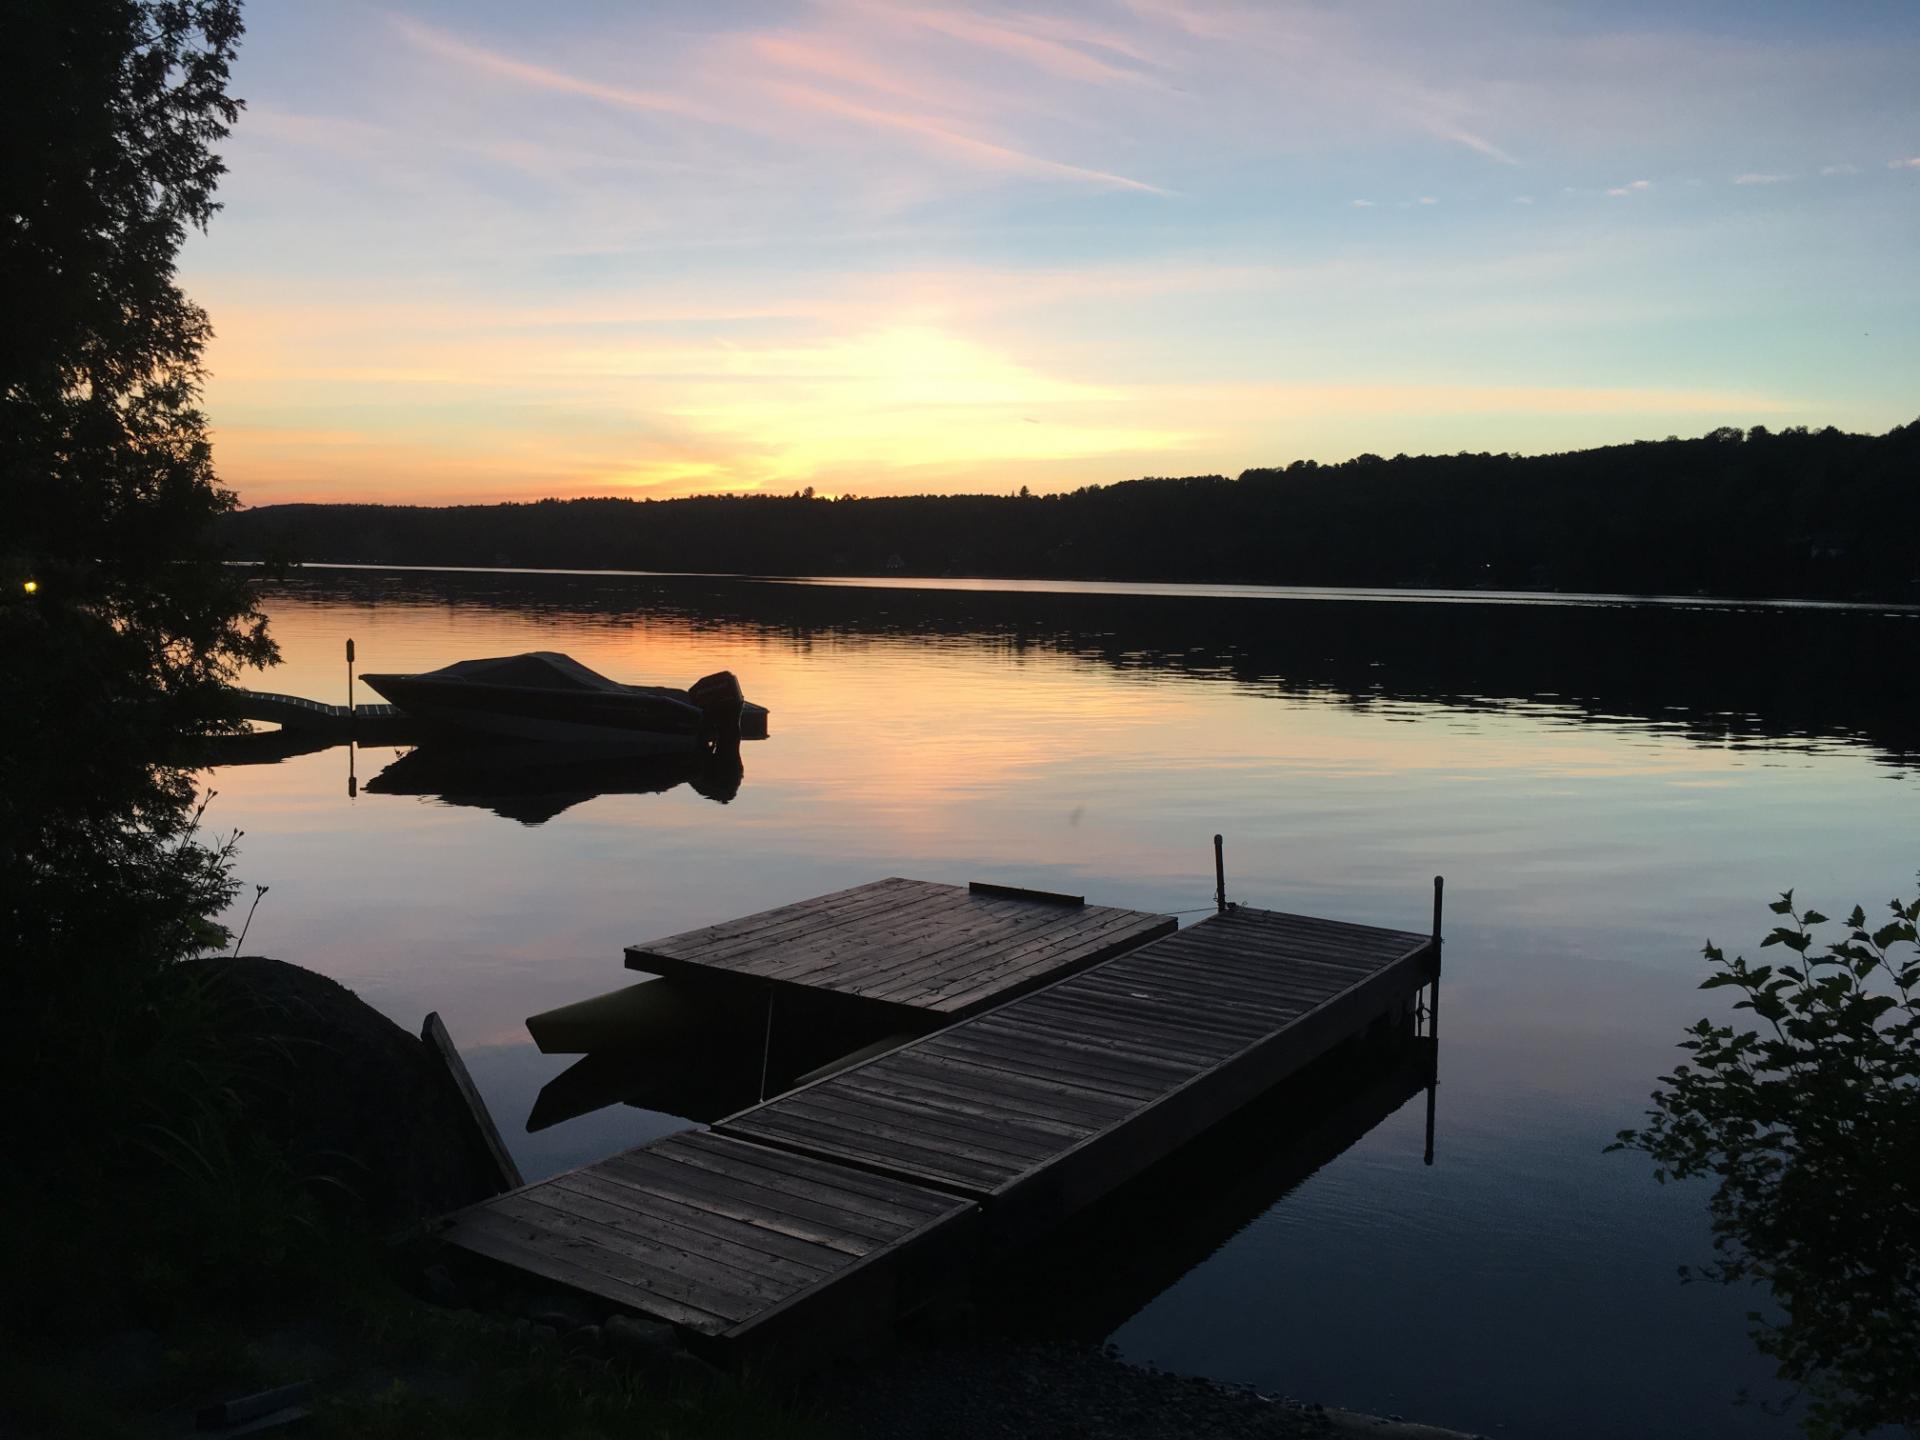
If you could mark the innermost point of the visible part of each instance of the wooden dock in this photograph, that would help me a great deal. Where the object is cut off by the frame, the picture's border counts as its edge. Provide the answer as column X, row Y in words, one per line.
column 1046, row 1103
column 932, row 953
column 726, row 1239
column 295, row 712
column 968, row 1143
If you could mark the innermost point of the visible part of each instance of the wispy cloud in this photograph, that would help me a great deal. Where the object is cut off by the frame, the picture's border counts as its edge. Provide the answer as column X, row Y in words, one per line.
column 1037, row 49
column 1460, row 135
column 835, row 62
column 846, row 240
column 439, row 42
column 983, row 152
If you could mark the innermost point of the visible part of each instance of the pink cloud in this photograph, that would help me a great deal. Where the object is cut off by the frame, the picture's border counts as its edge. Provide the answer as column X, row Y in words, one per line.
column 438, row 42
column 983, row 152
column 1048, row 54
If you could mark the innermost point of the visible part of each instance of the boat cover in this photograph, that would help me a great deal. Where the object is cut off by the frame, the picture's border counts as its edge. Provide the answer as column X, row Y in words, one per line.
column 545, row 670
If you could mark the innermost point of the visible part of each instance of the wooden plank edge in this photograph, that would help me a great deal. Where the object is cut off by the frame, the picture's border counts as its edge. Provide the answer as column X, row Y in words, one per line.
column 898, row 1172
column 873, row 1281
column 1345, row 1014
column 1021, row 892
column 644, row 949
column 433, row 1034
column 1126, row 944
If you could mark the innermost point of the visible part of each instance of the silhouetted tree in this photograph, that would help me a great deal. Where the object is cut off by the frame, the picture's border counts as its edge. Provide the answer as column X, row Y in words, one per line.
column 118, row 625
column 119, row 628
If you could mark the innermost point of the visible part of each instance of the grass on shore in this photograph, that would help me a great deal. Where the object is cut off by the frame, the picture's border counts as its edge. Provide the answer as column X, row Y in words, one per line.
column 385, row 1365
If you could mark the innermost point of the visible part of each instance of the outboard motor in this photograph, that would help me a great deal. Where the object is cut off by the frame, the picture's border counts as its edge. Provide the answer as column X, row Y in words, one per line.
column 719, row 700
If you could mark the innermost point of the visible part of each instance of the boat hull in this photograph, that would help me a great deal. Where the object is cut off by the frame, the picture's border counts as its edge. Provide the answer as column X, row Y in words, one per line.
column 641, row 724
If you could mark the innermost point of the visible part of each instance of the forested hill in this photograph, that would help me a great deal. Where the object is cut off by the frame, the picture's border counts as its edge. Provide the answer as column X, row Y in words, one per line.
column 1820, row 514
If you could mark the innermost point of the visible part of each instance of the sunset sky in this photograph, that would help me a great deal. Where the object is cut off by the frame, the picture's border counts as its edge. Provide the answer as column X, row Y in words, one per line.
column 498, row 251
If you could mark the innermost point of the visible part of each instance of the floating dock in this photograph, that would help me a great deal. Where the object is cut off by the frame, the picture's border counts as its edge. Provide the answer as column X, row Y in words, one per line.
column 901, row 1174
column 932, row 953
column 295, row 712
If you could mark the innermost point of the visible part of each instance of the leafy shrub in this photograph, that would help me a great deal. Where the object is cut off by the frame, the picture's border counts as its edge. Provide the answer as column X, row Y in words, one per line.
column 1811, row 1126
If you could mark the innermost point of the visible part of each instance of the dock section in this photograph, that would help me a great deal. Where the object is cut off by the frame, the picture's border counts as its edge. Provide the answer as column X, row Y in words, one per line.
column 740, row 1246
column 295, row 712
column 932, row 953
column 804, row 1222
column 1046, row 1103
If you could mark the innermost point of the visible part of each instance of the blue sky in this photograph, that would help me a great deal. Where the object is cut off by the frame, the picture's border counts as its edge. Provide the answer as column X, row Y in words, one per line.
column 499, row 251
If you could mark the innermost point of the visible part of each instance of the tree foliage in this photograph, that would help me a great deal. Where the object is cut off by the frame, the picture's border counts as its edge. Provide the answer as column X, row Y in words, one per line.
column 1810, row 1123
column 120, row 627
column 122, row 631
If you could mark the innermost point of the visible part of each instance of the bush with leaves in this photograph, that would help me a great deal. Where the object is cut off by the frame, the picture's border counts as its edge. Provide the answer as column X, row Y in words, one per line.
column 1811, row 1126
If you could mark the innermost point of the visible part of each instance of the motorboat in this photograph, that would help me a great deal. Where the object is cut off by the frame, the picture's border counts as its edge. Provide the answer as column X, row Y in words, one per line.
column 546, row 696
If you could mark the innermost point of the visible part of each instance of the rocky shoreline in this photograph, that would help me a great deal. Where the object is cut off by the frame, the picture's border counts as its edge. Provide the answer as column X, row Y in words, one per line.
column 1019, row 1390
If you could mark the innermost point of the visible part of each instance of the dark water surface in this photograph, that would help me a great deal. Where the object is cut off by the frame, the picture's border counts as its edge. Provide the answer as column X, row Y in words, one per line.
column 1604, row 785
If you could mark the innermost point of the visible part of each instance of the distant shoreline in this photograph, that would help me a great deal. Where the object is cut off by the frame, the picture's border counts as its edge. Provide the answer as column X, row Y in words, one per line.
column 1796, row 515
column 1173, row 590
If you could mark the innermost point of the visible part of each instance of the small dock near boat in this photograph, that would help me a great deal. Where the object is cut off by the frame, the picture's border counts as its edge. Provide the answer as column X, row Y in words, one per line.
column 368, row 724
column 1083, row 1046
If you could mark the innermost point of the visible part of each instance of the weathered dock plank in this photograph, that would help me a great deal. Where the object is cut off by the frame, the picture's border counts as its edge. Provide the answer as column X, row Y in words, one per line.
column 1046, row 1102
column 727, row 1239
column 938, row 952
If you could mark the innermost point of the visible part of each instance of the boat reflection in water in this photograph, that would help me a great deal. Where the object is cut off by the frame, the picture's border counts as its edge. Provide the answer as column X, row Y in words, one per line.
column 533, row 782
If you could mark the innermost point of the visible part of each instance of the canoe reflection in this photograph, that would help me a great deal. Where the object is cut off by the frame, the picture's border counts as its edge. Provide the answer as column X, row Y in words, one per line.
column 532, row 783
column 696, row 1051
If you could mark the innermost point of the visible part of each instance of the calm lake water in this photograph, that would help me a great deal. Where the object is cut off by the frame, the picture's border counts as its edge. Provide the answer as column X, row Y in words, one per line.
column 1604, row 786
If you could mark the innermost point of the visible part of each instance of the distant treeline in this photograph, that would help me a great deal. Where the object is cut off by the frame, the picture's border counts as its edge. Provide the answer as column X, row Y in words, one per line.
column 1815, row 514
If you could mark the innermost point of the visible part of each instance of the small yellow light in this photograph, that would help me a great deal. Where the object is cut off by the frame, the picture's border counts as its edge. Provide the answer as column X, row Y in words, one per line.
column 32, row 587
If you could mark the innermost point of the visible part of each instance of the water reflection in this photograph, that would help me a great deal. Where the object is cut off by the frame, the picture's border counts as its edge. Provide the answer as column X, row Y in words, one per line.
column 1094, row 1276
column 532, row 783
column 1603, row 787
column 1719, row 674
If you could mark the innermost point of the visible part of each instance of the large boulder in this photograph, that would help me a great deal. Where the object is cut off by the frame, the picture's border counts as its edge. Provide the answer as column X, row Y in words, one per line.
column 365, row 1112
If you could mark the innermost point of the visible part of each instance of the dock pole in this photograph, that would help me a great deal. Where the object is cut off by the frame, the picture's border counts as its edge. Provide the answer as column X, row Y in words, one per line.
column 1219, row 876
column 766, row 1046
column 349, row 679
column 1433, row 1020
